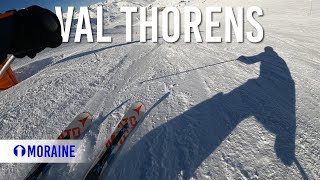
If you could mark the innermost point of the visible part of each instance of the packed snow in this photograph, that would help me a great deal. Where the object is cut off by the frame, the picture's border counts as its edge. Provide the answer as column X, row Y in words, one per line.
column 212, row 113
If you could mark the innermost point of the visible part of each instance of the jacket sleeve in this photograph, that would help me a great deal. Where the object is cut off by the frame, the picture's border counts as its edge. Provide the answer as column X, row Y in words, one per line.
column 5, row 34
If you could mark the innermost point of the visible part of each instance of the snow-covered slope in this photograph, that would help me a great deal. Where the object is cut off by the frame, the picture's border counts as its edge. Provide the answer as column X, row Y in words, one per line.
column 210, row 117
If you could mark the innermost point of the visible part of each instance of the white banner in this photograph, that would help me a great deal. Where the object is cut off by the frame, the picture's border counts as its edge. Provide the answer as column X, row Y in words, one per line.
column 41, row 151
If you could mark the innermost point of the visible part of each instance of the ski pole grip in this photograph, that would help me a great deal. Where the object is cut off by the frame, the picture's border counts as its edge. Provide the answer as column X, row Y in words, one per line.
column 6, row 66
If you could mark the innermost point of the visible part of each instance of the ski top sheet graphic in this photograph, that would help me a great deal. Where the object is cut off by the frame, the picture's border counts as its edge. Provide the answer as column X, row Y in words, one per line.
column 75, row 129
column 130, row 120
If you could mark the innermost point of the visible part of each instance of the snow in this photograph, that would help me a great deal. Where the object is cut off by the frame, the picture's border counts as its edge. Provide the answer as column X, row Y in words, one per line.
column 212, row 117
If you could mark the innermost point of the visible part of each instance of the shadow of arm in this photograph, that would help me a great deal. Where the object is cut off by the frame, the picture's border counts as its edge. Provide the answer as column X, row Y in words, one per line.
column 248, row 59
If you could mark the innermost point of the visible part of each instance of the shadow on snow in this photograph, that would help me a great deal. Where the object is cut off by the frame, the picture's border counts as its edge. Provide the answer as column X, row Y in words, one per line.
column 33, row 68
column 183, row 143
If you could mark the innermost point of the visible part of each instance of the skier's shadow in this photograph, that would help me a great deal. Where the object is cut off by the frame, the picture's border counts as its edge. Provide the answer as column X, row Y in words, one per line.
column 178, row 147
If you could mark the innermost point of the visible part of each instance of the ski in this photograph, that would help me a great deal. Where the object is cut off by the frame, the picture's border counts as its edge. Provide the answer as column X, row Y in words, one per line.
column 75, row 129
column 130, row 120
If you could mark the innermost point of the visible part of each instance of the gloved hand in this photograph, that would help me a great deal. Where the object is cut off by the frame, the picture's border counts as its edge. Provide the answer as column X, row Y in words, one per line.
column 34, row 29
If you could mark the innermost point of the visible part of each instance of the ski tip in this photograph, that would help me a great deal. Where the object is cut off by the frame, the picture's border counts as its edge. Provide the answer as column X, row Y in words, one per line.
column 85, row 115
column 77, row 126
column 139, row 107
column 85, row 118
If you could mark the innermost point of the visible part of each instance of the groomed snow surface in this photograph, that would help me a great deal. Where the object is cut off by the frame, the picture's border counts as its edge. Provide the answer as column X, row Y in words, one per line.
column 210, row 116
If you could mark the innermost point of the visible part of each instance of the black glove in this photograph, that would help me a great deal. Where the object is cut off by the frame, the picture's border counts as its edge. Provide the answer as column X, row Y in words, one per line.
column 34, row 29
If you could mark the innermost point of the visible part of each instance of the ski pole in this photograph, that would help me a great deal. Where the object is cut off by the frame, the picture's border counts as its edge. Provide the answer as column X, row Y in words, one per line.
column 6, row 65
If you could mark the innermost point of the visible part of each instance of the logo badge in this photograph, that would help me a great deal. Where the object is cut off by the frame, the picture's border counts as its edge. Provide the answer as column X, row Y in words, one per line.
column 19, row 151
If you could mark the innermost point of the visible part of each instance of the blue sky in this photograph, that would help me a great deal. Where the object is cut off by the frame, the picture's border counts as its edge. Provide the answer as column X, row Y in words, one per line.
column 49, row 4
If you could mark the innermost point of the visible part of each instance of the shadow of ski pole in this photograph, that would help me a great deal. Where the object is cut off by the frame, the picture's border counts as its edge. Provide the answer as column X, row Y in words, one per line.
column 156, row 104
column 152, row 107
column 101, row 118
column 96, row 124
column 186, row 71
column 303, row 173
